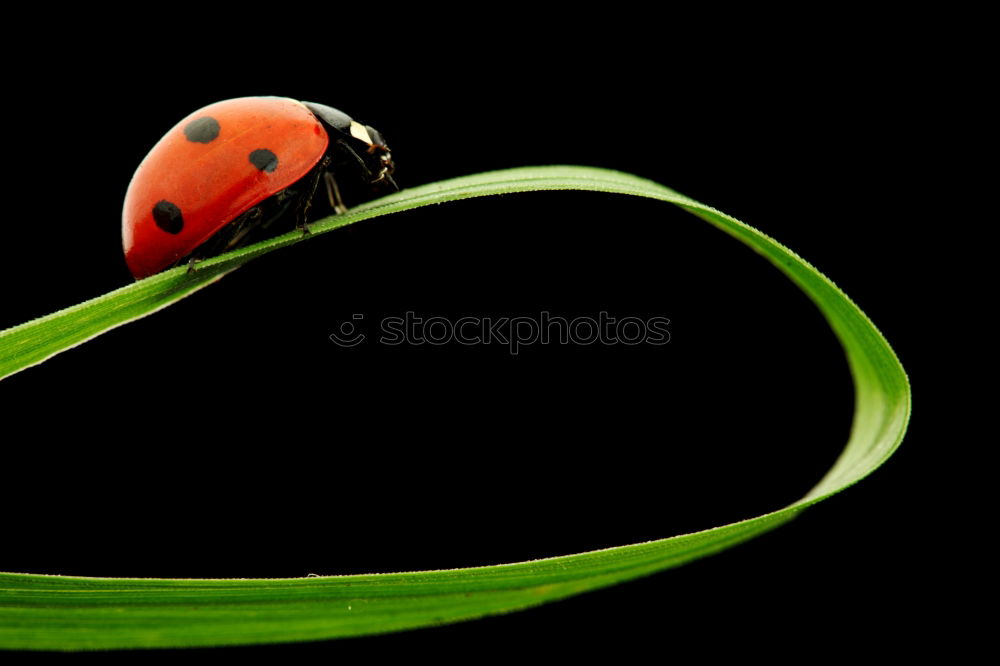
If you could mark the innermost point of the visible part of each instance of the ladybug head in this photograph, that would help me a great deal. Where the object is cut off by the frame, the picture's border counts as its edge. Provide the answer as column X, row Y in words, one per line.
column 381, row 169
column 362, row 144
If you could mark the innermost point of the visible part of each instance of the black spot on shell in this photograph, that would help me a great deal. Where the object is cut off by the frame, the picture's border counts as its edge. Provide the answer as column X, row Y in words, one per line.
column 202, row 130
column 264, row 160
column 168, row 217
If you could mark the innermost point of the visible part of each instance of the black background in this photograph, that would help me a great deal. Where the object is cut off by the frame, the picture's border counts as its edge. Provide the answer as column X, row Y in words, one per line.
column 226, row 436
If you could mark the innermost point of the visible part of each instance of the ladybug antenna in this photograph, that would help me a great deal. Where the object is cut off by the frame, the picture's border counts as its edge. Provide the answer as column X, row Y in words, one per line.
column 385, row 173
column 385, row 176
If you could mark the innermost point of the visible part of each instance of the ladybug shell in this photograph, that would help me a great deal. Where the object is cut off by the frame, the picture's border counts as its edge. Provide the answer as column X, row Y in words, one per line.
column 214, row 165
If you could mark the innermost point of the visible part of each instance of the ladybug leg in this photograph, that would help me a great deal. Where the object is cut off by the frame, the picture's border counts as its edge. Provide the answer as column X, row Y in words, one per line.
column 333, row 193
column 227, row 240
column 384, row 174
column 244, row 224
column 305, row 199
column 350, row 151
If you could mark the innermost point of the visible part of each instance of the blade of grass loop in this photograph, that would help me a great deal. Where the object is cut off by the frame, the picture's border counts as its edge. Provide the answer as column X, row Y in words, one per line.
column 71, row 613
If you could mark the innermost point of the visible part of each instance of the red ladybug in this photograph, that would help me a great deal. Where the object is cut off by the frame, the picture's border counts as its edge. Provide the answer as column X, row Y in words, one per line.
column 231, row 170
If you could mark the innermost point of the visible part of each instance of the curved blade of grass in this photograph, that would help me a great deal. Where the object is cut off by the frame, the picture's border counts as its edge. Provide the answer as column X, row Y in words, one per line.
column 67, row 613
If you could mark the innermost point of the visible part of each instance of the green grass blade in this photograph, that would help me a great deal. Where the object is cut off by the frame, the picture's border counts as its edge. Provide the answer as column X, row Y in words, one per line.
column 68, row 613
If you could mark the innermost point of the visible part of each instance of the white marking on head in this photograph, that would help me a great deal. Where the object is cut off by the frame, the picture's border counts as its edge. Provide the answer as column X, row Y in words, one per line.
column 359, row 132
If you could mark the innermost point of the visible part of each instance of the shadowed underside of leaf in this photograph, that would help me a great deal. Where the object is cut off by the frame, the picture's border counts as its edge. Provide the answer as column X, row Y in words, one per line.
column 70, row 613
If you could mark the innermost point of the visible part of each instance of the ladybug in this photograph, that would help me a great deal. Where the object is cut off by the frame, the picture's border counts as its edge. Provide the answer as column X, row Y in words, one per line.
column 239, row 170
